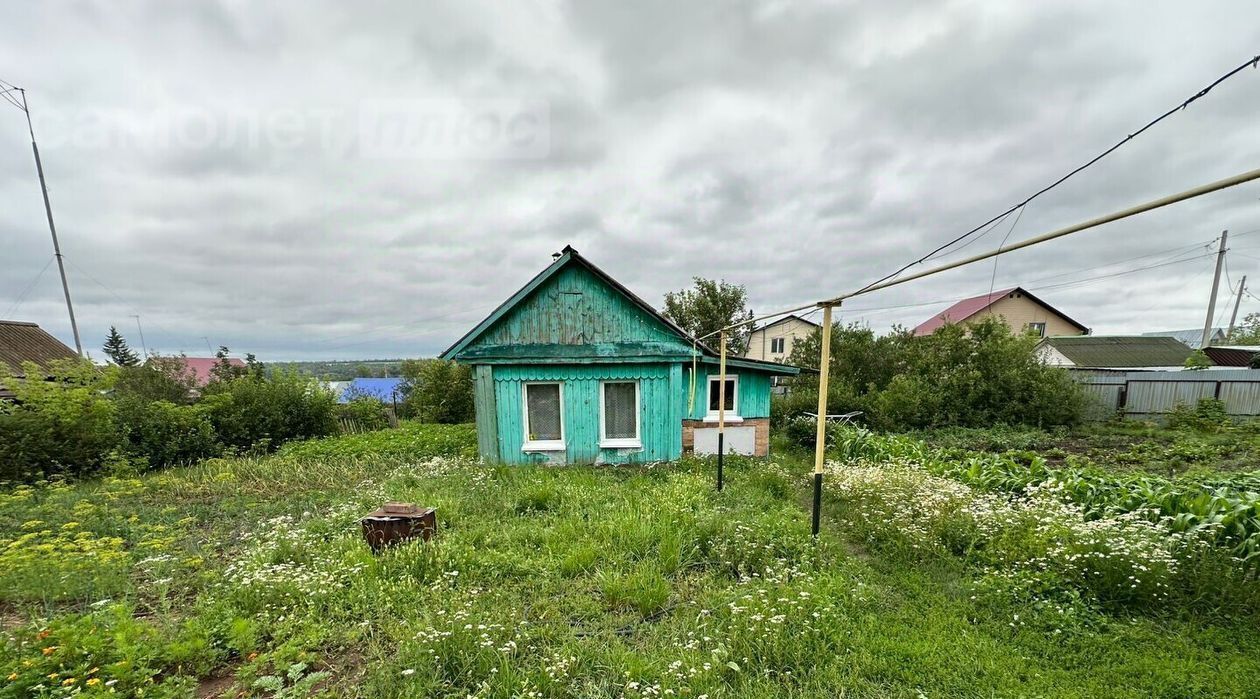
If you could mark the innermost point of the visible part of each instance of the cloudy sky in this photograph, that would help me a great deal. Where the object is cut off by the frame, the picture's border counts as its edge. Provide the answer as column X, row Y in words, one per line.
column 357, row 180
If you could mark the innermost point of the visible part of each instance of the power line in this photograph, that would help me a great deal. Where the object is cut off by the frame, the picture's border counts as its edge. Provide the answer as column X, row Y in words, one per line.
column 29, row 287
column 1253, row 62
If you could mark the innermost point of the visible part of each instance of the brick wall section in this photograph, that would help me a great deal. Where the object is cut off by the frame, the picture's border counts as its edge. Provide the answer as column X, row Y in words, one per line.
column 761, row 445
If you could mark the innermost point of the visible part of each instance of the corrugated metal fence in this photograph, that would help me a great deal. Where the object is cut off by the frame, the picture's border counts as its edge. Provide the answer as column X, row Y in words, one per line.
column 1153, row 393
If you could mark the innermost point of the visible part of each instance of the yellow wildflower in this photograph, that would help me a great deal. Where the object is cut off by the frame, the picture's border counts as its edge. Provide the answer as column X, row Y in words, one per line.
column 13, row 676
column 67, row 682
column 94, row 681
column 49, row 650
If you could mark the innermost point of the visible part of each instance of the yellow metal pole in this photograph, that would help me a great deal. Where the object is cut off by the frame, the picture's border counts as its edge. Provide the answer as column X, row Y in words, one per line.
column 820, row 434
column 721, row 406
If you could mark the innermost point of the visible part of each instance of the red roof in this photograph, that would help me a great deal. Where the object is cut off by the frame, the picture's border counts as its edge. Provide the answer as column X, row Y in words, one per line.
column 201, row 366
column 961, row 311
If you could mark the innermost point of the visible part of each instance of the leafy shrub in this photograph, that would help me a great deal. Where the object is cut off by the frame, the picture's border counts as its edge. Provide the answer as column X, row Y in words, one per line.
column 159, row 378
column 1208, row 415
column 367, row 411
column 252, row 412
column 59, row 427
column 166, row 434
column 974, row 375
column 436, row 390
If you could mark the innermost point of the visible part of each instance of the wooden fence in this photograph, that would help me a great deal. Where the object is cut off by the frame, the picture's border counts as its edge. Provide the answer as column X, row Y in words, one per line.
column 1148, row 394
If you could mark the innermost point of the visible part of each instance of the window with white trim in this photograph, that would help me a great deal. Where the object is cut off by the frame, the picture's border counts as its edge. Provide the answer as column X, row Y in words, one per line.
column 1038, row 329
column 776, row 345
column 544, row 416
column 732, row 397
column 619, row 414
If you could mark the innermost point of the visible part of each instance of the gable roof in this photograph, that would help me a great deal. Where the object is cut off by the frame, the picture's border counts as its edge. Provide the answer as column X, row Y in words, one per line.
column 784, row 319
column 1117, row 351
column 27, row 342
column 969, row 307
column 569, row 256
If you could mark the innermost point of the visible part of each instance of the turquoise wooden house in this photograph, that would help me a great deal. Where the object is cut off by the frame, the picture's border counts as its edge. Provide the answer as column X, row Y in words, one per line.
column 574, row 368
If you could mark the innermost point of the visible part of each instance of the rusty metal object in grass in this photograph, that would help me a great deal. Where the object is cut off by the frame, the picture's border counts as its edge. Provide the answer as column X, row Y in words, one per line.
column 398, row 522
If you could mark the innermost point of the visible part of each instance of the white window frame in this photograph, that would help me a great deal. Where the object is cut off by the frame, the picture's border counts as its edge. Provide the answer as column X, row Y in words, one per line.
column 635, row 442
column 1038, row 327
column 779, row 342
column 541, row 444
column 732, row 415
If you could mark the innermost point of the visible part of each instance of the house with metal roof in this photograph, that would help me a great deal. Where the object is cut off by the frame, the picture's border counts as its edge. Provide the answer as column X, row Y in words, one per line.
column 1017, row 307
column 385, row 390
column 1192, row 337
column 1114, row 352
column 575, row 368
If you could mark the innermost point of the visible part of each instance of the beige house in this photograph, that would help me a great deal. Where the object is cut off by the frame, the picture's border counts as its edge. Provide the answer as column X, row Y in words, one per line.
column 773, row 342
column 1022, row 311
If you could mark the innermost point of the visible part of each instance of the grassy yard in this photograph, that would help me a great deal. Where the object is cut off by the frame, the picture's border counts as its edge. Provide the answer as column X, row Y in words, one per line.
column 249, row 576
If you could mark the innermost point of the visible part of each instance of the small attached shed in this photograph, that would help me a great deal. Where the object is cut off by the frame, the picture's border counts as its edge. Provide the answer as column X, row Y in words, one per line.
column 574, row 368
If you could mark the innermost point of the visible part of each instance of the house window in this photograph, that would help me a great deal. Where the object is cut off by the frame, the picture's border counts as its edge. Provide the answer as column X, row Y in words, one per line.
column 1038, row 329
column 544, row 419
column 776, row 345
column 732, row 398
column 619, row 418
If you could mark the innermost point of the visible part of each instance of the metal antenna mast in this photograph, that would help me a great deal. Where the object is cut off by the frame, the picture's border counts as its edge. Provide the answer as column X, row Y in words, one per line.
column 52, row 227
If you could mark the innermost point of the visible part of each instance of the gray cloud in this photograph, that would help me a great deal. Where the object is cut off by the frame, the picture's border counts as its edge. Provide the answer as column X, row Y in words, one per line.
column 208, row 172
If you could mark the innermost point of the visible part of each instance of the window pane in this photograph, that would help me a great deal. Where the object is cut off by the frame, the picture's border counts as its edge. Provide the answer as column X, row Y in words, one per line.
column 620, row 418
column 544, row 411
column 730, row 395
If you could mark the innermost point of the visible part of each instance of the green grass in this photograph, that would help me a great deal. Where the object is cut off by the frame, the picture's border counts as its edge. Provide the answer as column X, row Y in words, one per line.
column 250, row 575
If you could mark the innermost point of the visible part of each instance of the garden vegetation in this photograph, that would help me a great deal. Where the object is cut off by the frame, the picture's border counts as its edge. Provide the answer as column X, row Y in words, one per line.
column 248, row 576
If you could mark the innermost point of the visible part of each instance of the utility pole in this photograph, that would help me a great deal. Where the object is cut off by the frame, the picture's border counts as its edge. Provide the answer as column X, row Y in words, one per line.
column 143, row 346
column 1233, row 318
column 52, row 228
column 1216, row 281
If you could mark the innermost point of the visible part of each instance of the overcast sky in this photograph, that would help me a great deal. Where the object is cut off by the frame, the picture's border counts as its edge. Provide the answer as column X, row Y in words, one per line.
column 360, row 180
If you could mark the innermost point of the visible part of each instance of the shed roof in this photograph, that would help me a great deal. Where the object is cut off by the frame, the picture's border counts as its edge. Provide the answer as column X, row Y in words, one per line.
column 1232, row 355
column 568, row 256
column 1109, row 351
column 27, row 342
column 967, row 308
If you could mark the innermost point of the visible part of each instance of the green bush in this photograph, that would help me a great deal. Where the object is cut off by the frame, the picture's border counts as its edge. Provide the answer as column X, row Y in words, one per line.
column 59, row 427
column 166, row 434
column 369, row 412
column 1208, row 415
column 436, row 390
column 257, row 413
column 159, row 378
column 979, row 374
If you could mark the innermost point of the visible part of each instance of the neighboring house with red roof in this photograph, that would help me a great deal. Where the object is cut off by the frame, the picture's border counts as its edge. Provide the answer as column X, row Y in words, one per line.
column 200, row 367
column 1022, row 311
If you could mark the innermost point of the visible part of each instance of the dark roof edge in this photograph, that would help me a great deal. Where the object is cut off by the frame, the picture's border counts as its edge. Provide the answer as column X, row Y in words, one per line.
column 1061, row 314
column 790, row 316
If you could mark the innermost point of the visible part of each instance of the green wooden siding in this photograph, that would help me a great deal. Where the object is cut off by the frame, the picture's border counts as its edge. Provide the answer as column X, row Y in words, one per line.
column 660, row 427
column 576, row 308
column 752, row 399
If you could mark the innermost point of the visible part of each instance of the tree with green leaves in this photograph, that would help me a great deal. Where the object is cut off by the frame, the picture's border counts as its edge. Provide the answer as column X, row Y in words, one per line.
column 435, row 390
column 1247, row 333
column 708, row 307
column 117, row 349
